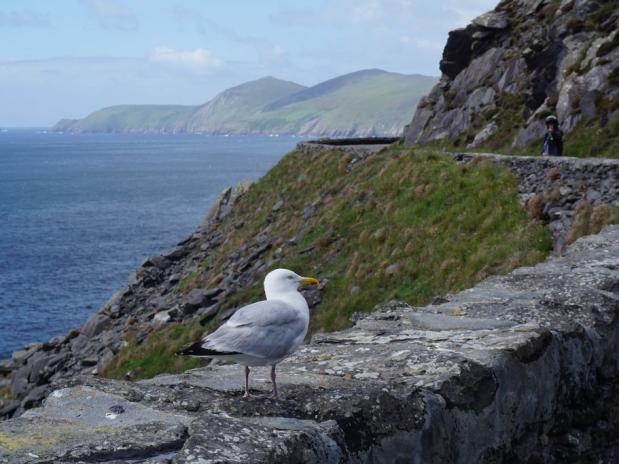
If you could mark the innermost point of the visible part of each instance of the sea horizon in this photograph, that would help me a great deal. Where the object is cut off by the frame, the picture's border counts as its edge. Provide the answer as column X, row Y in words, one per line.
column 81, row 211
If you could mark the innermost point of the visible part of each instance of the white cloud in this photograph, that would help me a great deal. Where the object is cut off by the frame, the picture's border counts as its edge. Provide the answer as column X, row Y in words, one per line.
column 198, row 60
column 111, row 14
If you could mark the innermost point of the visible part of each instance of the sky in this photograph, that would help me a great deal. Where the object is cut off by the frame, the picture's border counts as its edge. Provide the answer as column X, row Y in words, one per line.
column 67, row 58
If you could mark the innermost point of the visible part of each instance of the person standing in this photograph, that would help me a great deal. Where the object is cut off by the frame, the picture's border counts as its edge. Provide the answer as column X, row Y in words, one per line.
column 553, row 140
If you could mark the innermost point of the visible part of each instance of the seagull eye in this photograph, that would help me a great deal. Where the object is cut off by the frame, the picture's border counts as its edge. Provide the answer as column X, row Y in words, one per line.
column 290, row 277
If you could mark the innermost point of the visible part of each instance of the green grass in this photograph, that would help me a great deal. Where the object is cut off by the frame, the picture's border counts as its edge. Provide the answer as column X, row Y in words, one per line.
column 446, row 226
column 590, row 220
column 588, row 139
column 156, row 354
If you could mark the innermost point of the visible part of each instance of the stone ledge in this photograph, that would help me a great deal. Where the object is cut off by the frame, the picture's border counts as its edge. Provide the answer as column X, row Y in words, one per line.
column 493, row 374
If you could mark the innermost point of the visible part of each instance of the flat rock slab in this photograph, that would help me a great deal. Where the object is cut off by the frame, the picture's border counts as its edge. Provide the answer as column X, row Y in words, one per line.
column 442, row 322
column 229, row 378
column 85, row 423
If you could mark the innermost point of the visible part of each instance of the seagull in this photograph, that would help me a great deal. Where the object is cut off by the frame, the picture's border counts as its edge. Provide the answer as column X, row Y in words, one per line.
column 262, row 333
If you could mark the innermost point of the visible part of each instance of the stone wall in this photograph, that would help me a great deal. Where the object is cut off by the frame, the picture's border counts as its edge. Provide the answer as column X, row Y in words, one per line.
column 554, row 188
column 360, row 148
column 520, row 368
column 551, row 188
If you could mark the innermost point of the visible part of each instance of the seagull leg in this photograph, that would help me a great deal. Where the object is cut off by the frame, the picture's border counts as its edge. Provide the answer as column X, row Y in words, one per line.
column 246, row 395
column 274, row 395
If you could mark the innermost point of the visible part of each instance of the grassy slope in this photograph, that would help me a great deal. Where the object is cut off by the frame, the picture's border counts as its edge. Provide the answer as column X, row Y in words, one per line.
column 233, row 109
column 587, row 139
column 379, row 100
column 446, row 226
column 130, row 118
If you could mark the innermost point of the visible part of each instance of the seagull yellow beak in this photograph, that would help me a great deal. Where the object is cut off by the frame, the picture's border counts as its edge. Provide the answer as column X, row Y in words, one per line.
column 309, row 281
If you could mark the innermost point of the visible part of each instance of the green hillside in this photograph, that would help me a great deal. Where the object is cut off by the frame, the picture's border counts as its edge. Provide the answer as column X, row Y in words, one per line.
column 131, row 118
column 399, row 225
column 234, row 109
column 369, row 102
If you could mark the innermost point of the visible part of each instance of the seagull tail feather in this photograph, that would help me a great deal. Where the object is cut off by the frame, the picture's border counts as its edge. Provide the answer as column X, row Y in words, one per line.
column 197, row 349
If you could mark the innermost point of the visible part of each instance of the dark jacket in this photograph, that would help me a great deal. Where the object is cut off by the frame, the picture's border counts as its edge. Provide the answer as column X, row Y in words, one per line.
column 553, row 143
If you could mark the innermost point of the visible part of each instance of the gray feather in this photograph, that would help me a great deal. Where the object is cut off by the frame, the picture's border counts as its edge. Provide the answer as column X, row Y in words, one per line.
column 267, row 329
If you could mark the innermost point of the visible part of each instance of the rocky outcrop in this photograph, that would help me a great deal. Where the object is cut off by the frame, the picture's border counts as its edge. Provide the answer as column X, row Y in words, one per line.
column 511, row 67
column 520, row 368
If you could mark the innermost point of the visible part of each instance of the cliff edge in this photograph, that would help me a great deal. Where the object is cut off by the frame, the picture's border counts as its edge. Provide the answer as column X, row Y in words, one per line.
column 520, row 368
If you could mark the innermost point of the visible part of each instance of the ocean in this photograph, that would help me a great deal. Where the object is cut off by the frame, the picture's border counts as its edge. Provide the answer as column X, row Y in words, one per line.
column 79, row 213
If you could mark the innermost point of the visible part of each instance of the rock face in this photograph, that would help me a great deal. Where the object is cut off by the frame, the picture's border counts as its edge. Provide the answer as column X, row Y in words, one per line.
column 520, row 368
column 511, row 67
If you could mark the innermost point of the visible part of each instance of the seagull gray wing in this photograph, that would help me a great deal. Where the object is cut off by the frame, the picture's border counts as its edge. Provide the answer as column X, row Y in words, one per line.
column 268, row 329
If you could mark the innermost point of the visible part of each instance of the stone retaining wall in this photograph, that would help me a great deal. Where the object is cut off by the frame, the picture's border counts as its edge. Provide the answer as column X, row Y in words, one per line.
column 520, row 368
column 553, row 189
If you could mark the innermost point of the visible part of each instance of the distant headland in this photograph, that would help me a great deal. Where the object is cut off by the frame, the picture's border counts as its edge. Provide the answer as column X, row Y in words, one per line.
column 362, row 103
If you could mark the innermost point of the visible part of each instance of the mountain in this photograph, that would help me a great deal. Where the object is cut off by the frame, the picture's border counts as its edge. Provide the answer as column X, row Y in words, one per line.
column 513, row 66
column 235, row 109
column 368, row 102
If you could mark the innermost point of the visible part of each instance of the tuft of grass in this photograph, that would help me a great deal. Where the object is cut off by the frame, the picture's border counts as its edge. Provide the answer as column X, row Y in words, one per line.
column 588, row 139
column 156, row 354
column 609, row 46
column 444, row 226
column 590, row 220
column 186, row 281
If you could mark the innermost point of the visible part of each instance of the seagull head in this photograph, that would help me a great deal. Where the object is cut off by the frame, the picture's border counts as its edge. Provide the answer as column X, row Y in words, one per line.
column 282, row 281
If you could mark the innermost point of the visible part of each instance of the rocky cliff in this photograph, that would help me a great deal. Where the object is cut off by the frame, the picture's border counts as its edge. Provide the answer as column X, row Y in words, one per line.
column 474, row 356
column 176, row 296
column 520, row 368
column 321, row 210
column 513, row 66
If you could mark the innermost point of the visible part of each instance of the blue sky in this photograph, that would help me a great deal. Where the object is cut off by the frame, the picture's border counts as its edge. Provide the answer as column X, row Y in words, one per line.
column 66, row 58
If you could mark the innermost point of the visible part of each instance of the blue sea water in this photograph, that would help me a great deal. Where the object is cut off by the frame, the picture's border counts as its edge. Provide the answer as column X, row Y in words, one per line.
column 78, row 213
